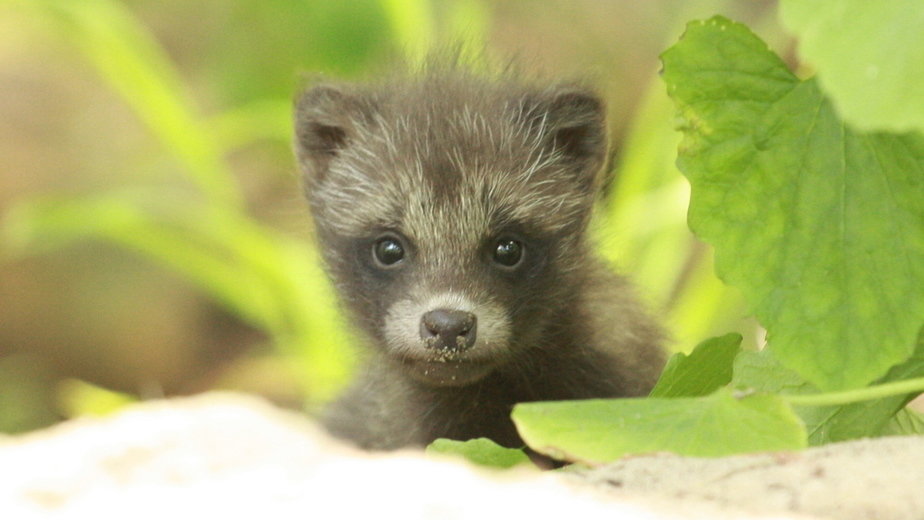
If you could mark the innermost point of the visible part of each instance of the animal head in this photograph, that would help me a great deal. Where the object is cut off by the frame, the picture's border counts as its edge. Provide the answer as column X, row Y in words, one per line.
column 451, row 211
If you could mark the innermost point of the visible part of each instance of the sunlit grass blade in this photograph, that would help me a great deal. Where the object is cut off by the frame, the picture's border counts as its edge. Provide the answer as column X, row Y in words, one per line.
column 78, row 398
column 44, row 225
column 315, row 335
column 264, row 119
column 270, row 281
column 643, row 229
column 412, row 25
column 135, row 66
column 703, row 306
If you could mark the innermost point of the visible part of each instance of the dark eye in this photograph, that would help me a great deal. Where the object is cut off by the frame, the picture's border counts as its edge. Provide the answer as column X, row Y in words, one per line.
column 387, row 251
column 507, row 252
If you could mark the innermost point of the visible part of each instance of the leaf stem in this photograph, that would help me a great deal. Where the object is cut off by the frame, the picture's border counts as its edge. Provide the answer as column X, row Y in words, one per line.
column 906, row 386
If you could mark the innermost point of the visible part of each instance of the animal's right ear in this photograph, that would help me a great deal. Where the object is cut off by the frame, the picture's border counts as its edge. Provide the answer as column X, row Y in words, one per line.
column 326, row 120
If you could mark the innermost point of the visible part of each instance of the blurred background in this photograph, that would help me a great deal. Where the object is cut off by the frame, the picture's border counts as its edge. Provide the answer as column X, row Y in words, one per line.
column 153, row 240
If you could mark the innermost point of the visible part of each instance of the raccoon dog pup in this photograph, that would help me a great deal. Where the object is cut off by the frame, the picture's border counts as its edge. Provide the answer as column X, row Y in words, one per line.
column 451, row 210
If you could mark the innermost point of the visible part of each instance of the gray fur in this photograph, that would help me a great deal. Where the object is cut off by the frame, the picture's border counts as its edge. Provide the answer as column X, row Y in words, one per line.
column 450, row 162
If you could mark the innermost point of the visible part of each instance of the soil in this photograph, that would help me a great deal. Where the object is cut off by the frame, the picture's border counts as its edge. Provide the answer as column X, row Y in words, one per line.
column 227, row 455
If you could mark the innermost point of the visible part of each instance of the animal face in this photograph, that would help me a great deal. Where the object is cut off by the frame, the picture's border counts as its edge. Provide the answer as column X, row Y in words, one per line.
column 450, row 213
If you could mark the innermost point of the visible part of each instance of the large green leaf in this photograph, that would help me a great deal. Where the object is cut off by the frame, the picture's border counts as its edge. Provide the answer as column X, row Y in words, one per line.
column 603, row 430
column 703, row 371
column 864, row 418
column 869, row 57
column 821, row 228
column 760, row 371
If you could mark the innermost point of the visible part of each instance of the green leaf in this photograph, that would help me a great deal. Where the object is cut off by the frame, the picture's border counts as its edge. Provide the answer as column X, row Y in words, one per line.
column 603, row 430
column 864, row 418
column 869, row 57
column 905, row 422
column 820, row 227
column 481, row 451
column 703, row 371
column 760, row 371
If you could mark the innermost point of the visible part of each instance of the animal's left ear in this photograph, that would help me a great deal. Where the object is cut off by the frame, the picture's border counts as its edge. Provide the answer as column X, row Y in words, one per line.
column 573, row 121
column 327, row 119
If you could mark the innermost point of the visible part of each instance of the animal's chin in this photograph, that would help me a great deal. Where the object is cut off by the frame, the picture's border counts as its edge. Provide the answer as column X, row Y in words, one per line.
column 447, row 373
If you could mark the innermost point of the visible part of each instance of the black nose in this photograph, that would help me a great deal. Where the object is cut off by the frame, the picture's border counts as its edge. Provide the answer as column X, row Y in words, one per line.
column 447, row 329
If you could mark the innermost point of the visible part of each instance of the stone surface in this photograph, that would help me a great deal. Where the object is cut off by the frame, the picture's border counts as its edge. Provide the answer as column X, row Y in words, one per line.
column 225, row 455
column 859, row 480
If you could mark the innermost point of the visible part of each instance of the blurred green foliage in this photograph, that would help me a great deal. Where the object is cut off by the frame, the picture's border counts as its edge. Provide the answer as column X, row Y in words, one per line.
column 206, row 99
column 270, row 280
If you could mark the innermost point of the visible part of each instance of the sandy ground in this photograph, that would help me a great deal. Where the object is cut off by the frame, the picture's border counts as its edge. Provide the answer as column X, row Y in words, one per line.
column 225, row 455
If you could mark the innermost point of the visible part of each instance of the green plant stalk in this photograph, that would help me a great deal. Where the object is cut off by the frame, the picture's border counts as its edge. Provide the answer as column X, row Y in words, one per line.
column 907, row 386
